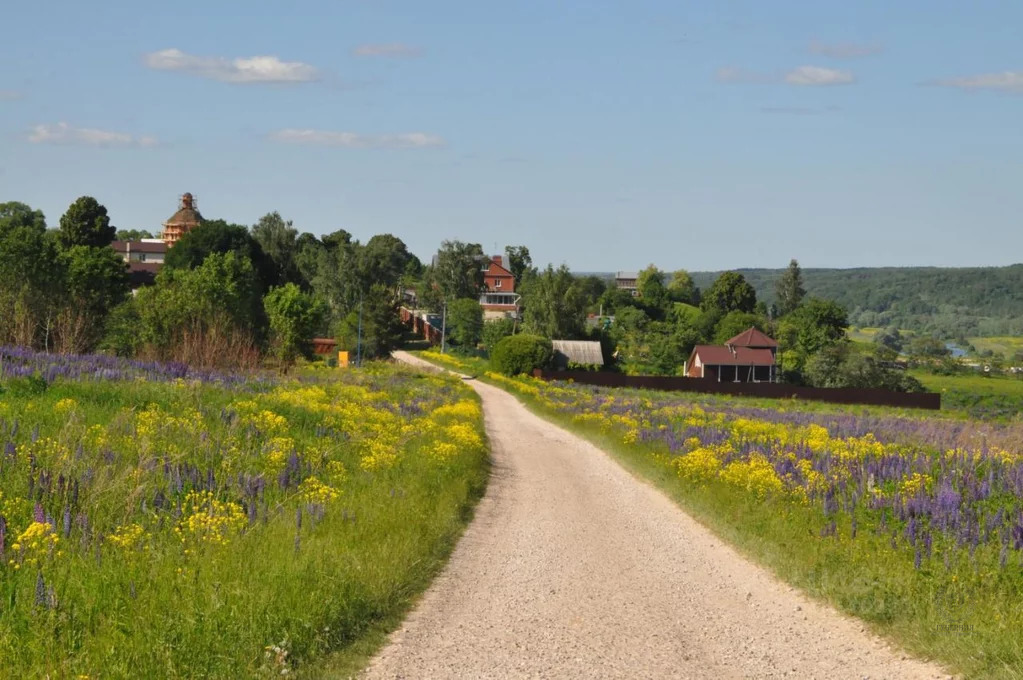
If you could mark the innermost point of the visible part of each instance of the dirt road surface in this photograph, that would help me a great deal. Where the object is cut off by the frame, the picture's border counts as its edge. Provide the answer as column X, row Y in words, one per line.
column 573, row 568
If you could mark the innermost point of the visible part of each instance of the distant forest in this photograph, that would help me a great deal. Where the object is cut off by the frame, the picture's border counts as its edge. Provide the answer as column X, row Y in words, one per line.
column 952, row 303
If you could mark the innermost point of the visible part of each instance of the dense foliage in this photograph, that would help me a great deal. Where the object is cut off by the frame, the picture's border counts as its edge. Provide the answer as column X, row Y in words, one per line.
column 521, row 353
column 949, row 302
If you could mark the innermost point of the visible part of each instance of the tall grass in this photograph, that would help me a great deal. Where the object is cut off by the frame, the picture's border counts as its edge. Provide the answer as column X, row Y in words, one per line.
column 183, row 529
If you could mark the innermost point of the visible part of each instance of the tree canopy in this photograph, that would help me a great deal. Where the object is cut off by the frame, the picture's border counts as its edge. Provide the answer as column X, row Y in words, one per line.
column 86, row 223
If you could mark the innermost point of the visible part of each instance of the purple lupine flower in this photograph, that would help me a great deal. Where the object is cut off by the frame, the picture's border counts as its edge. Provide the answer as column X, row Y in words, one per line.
column 38, row 515
column 40, row 600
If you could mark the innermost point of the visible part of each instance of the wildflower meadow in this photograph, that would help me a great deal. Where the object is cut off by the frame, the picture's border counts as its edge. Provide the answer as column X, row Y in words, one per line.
column 158, row 522
column 912, row 521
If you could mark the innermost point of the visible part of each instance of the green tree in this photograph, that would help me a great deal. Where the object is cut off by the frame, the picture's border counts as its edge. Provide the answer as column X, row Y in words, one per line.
column 382, row 329
column 889, row 337
column 650, row 285
column 294, row 318
column 554, row 305
column 789, row 289
column 494, row 331
column 520, row 264
column 218, row 299
column 133, row 234
column 86, row 223
column 682, row 289
column 736, row 322
column 384, row 260
column 278, row 239
column 219, row 237
column 817, row 324
column 521, row 354
column 729, row 292
column 465, row 322
column 14, row 215
column 96, row 279
column 31, row 277
column 458, row 270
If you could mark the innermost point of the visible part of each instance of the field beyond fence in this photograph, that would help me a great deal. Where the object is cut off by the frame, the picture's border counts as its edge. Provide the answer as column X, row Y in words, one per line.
column 834, row 395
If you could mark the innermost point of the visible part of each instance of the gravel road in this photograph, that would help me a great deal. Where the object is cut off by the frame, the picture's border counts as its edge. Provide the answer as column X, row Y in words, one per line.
column 572, row 568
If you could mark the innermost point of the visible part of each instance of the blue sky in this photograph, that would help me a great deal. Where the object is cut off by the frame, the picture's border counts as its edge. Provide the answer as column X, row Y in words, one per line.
column 605, row 135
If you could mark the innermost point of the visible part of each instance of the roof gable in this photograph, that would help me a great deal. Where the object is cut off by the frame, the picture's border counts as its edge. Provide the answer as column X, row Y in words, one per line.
column 496, row 269
column 751, row 337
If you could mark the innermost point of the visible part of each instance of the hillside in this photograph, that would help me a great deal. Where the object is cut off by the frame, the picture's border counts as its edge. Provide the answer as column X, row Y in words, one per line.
column 950, row 302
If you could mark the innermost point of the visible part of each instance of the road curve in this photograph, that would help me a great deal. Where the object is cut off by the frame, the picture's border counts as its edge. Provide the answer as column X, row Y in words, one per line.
column 572, row 568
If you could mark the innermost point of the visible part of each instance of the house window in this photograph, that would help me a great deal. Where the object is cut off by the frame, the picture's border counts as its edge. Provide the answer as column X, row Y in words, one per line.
column 142, row 257
column 497, row 283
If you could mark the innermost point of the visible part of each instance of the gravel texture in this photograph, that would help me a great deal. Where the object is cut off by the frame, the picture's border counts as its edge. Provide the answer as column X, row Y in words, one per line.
column 573, row 568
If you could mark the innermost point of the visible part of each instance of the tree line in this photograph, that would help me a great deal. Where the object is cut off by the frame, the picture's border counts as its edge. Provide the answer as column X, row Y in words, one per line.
column 948, row 303
column 231, row 294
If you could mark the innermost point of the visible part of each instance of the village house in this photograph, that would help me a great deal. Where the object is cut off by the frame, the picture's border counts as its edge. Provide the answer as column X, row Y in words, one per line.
column 627, row 281
column 498, row 299
column 748, row 357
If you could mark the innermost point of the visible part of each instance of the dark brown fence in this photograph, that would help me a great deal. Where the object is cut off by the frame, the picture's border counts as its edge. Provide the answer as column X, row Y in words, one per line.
column 835, row 395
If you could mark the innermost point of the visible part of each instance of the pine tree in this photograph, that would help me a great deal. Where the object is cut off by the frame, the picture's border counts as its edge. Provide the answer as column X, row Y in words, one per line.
column 790, row 289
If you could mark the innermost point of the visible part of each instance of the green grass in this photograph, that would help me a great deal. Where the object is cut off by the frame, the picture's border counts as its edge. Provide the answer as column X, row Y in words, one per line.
column 977, row 395
column 204, row 590
column 1005, row 346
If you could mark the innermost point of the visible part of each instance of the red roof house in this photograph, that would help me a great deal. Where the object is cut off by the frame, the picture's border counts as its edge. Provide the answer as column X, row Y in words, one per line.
column 499, row 299
column 748, row 357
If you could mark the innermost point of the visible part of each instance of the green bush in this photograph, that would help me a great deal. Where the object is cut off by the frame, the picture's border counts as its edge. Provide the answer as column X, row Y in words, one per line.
column 521, row 354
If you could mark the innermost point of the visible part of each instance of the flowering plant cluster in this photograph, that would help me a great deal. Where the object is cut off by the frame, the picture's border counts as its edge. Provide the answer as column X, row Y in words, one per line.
column 121, row 491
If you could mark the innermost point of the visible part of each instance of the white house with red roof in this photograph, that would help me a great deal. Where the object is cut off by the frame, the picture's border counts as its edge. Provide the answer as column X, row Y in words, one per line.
column 748, row 357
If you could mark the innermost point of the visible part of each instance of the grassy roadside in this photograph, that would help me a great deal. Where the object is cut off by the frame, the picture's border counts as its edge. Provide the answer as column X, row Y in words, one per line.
column 168, row 527
column 964, row 614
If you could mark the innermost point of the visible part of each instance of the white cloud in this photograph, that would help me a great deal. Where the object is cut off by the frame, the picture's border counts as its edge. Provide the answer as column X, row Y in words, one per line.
column 387, row 50
column 260, row 69
column 817, row 75
column 62, row 133
column 844, row 50
column 354, row 140
column 1007, row 81
column 803, row 76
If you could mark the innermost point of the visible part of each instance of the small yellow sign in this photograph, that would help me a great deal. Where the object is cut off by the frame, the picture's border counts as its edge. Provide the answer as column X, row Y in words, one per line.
column 342, row 359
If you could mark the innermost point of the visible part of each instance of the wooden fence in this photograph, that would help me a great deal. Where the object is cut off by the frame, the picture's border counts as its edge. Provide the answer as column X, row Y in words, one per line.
column 835, row 395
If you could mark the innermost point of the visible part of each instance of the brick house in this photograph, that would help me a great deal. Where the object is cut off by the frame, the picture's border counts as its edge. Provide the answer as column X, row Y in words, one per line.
column 498, row 298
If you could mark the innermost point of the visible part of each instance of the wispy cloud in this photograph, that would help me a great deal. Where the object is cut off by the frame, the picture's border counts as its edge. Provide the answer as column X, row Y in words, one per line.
column 1007, row 81
column 259, row 69
column 355, row 140
column 397, row 50
column 9, row 95
column 844, row 50
column 62, row 133
column 818, row 75
column 802, row 76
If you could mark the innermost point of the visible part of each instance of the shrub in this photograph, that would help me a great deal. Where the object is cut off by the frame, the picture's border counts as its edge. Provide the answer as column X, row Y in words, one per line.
column 521, row 354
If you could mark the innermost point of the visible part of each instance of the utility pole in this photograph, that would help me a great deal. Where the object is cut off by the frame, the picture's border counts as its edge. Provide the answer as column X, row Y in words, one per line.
column 358, row 355
column 444, row 327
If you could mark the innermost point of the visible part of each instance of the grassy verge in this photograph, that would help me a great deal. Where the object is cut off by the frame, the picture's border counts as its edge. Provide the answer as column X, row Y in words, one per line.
column 159, row 527
column 944, row 584
column 988, row 397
